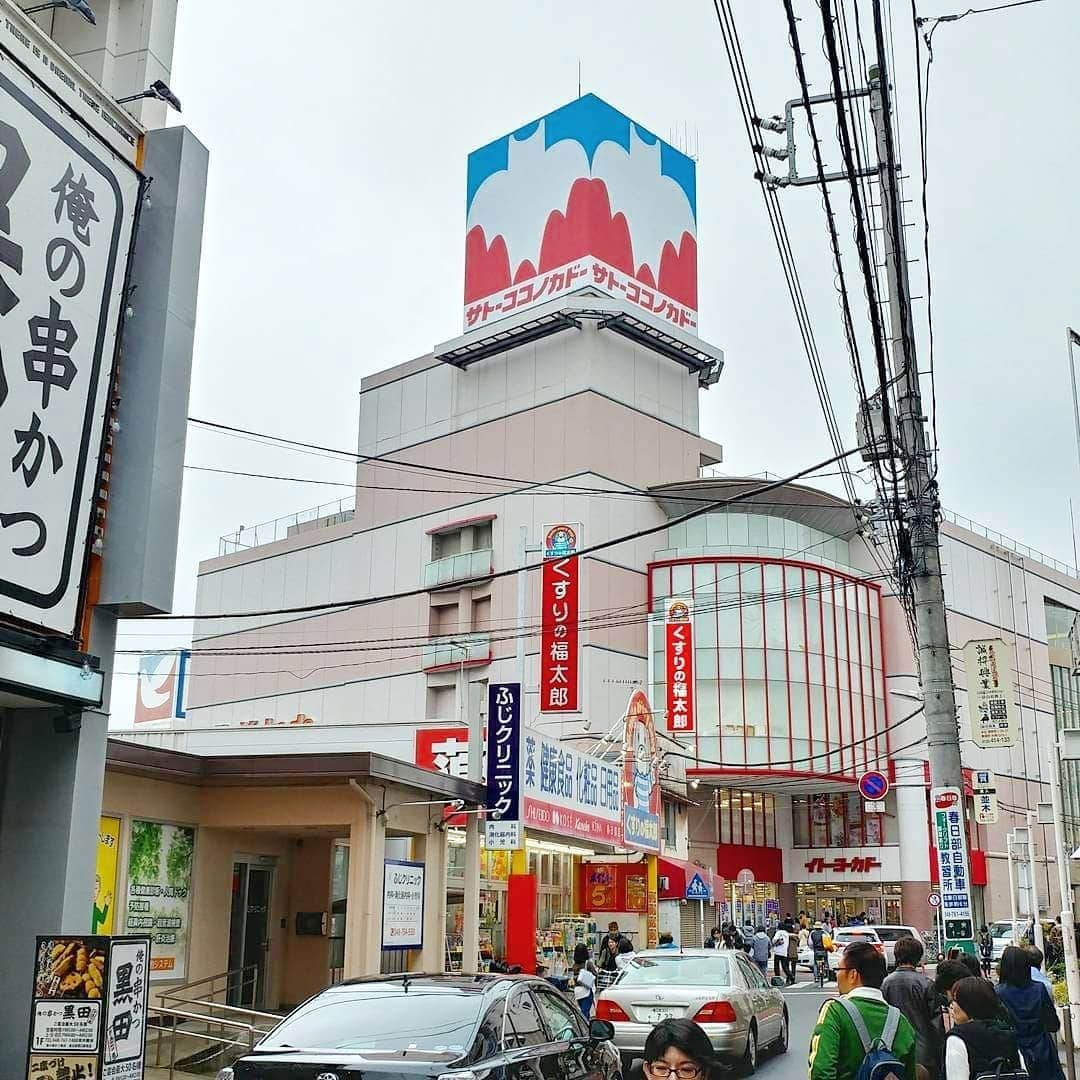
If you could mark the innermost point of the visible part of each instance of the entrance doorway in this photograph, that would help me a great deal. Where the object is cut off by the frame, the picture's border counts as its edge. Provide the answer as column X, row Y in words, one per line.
column 249, row 933
column 878, row 903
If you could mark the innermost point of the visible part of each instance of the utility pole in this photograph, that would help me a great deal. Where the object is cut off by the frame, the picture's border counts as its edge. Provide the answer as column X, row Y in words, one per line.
column 1068, row 920
column 921, row 515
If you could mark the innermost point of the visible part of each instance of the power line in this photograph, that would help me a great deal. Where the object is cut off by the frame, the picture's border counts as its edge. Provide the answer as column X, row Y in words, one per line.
column 482, row 578
column 978, row 11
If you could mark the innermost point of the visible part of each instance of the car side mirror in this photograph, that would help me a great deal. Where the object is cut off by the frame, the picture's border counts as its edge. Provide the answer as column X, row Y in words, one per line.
column 778, row 980
column 601, row 1030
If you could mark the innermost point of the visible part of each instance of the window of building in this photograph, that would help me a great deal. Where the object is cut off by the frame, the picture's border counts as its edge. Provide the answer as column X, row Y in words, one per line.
column 788, row 659
column 474, row 537
column 443, row 619
column 481, row 614
column 840, row 820
column 670, row 834
column 746, row 817
column 441, row 703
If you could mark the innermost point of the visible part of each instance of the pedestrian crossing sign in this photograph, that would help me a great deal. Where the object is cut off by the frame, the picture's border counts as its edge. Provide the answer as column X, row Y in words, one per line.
column 696, row 889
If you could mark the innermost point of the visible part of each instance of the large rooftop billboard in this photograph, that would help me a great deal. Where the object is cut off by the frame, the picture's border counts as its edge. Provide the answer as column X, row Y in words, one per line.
column 581, row 197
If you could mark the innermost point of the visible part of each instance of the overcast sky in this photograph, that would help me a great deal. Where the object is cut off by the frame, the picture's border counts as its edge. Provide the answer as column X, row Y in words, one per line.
column 334, row 236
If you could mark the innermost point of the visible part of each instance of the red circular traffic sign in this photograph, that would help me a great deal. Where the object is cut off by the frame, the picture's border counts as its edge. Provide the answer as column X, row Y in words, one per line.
column 745, row 879
column 934, row 899
column 873, row 785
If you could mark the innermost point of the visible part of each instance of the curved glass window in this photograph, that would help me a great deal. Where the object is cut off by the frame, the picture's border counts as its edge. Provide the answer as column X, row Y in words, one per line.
column 788, row 663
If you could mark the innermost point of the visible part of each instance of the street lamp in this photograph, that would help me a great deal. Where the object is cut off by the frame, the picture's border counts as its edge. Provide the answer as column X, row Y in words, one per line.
column 157, row 89
column 80, row 7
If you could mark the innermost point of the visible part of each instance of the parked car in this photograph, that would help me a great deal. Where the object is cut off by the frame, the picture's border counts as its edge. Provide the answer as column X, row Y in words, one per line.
column 416, row 1027
column 718, row 988
column 844, row 936
column 1002, row 934
column 890, row 935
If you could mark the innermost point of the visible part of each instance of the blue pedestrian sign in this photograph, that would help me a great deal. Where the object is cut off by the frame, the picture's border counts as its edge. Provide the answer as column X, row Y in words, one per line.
column 873, row 785
column 696, row 889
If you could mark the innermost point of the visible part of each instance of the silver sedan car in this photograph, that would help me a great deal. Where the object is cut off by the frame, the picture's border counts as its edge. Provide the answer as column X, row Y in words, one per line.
column 720, row 989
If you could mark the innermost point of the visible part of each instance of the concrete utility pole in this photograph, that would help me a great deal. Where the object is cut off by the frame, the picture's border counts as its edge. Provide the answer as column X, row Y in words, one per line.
column 921, row 512
column 1068, row 937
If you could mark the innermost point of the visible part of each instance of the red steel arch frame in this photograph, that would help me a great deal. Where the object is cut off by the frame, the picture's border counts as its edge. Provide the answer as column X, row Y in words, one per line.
column 880, row 724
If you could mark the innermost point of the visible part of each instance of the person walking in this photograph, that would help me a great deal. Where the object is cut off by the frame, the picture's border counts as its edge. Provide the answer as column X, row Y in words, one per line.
column 715, row 940
column 583, row 980
column 780, row 952
column 847, row 1027
column 759, row 949
column 1032, row 1013
column 625, row 955
column 914, row 995
column 608, row 966
column 982, row 1041
column 792, row 955
column 986, row 951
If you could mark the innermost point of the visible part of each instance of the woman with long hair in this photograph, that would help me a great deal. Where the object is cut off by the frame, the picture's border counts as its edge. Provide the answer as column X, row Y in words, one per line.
column 679, row 1050
column 1032, row 1012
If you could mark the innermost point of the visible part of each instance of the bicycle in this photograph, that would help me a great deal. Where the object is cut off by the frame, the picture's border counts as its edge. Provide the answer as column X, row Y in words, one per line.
column 821, row 969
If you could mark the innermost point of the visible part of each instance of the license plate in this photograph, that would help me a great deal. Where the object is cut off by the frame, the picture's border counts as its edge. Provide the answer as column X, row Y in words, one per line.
column 655, row 1015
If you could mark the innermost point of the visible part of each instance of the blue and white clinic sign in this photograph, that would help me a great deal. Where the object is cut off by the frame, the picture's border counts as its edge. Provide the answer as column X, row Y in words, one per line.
column 697, row 889
column 502, row 829
column 403, row 905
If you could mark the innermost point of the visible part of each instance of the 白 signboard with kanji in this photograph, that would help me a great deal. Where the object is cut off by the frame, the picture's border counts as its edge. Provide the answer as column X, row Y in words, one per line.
column 990, row 694
column 67, row 214
column 950, row 843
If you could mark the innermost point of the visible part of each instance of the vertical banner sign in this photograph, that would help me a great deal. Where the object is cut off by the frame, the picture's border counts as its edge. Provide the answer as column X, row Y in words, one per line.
column 67, row 211
column 89, row 1009
column 641, row 777
column 559, row 689
column 990, row 693
column 102, row 914
column 984, row 790
column 403, row 905
column 502, row 829
column 679, row 652
column 950, row 841
column 159, row 892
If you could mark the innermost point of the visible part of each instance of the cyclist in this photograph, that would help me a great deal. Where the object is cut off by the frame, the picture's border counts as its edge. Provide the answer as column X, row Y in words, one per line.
column 822, row 944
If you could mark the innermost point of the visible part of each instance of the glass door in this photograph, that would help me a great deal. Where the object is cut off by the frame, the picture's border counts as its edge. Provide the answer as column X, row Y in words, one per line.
column 249, row 934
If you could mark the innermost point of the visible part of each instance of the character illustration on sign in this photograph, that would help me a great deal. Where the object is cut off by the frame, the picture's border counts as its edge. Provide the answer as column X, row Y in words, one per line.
column 101, row 907
column 642, row 765
column 561, row 540
column 678, row 611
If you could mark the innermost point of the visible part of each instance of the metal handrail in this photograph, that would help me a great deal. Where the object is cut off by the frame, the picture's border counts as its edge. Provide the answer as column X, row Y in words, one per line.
column 180, row 1014
column 275, row 1017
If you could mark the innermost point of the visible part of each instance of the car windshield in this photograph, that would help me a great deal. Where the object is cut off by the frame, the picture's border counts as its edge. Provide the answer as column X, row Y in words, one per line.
column 856, row 935
column 381, row 1019
column 893, row 933
column 679, row 970
column 1001, row 929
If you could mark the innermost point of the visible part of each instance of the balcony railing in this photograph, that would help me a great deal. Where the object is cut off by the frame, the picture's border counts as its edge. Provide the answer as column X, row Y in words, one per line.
column 444, row 652
column 469, row 564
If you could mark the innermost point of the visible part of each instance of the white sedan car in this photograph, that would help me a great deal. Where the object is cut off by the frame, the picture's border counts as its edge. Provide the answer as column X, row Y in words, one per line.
column 844, row 936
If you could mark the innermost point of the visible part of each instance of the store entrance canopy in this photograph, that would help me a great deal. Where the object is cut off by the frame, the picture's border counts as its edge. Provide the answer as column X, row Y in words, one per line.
column 685, row 881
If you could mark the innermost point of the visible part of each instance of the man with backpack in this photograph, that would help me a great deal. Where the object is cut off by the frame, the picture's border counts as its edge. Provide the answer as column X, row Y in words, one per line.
column 859, row 1036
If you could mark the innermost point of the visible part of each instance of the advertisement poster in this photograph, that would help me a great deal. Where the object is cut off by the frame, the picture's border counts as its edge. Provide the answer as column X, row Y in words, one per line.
column 601, row 888
column 403, row 905
column 502, row 828
column 559, row 619
column 679, row 663
column 101, row 915
column 641, row 777
column 990, row 692
column 89, row 1009
column 160, row 863
column 568, row 792
column 950, row 841
column 637, row 893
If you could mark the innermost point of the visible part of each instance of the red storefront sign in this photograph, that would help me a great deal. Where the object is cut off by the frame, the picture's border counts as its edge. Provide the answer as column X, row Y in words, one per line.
column 559, row 619
column 679, row 652
column 857, row 865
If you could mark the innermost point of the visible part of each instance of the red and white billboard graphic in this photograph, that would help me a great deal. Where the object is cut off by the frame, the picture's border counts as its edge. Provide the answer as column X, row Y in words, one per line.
column 679, row 654
column 445, row 750
column 161, row 687
column 559, row 689
column 581, row 197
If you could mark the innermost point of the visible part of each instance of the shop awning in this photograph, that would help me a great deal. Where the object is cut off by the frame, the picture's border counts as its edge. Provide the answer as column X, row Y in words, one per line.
column 684, row 881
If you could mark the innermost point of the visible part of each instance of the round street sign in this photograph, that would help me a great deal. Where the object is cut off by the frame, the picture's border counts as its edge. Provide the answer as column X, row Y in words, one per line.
column 745, row 879
column 934, row 899
column 873, row 785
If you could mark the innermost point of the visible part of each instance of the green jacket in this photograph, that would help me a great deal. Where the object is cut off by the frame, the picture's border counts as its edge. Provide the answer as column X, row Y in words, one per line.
column 836, row 1051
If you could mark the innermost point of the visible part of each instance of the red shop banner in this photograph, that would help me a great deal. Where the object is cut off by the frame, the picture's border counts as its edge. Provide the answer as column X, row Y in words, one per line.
column 559, row 690
column 679, row 653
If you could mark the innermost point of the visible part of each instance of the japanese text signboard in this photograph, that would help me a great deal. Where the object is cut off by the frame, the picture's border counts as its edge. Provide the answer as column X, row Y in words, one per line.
column 984, row 795
column 567, row 792
column 160, row 861
column 641, row 776
column 582, row 197
column 559, row 689
column 67, row 212
column 89, row 1013
column 403, row 905
column 679, row 655
column 950, row 842
column 502, row 829
column 990, row 694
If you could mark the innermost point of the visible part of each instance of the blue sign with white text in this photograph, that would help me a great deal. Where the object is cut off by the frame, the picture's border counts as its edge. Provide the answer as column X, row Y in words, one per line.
column 504, row 752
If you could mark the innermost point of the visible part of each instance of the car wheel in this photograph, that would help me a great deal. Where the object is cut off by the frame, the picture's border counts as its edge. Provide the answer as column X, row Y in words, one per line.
column 748, row 1061
column 785, row 1034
